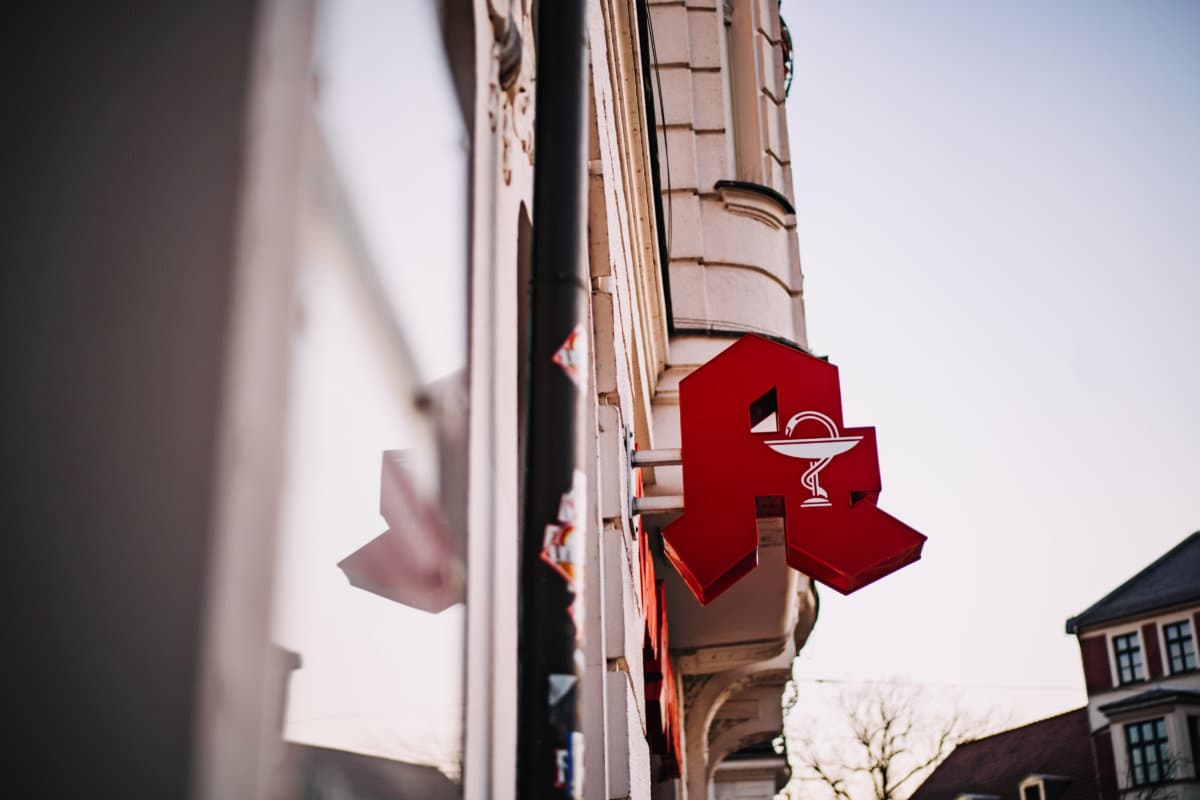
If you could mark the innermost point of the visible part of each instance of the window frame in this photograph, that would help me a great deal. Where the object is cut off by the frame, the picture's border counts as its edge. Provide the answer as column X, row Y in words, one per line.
column 1160, row 746
column 1035, row 786
column 1138, row 669
column 1167, row 643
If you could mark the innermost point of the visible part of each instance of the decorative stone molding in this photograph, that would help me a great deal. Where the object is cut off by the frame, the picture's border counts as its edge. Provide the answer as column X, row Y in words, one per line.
column 728, row 734
column 720, row 726
column 692, row 686
column 710, row 696
column 719, row 658
column 758, row 202
column 511, row 85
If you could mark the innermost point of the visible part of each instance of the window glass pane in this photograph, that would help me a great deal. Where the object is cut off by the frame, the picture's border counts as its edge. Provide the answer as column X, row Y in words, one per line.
column 390, row 115
column 1181, row 650
column 1129, row 658
column 1149, row 757
column 1193, row 727
column 376, row 699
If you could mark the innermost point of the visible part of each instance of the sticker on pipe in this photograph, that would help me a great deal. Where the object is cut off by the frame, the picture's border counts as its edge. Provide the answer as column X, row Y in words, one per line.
column 572, row 356
column 562, row 543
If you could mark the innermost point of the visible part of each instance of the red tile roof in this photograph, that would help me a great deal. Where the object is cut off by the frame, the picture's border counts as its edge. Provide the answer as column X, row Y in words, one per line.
column 997, row 764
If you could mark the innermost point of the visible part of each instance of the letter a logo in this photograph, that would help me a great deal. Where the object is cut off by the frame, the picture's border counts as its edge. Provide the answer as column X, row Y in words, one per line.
column 826, row 475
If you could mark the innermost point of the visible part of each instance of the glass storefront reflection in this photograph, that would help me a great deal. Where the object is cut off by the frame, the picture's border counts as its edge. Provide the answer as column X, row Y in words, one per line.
column 387, row 106
column 377, row 409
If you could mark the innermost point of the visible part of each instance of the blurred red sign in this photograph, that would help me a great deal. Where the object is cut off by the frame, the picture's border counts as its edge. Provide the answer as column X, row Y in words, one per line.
column 762, row 435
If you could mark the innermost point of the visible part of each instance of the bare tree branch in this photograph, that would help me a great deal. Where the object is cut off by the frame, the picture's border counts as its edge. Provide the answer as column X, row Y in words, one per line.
column 896, row 736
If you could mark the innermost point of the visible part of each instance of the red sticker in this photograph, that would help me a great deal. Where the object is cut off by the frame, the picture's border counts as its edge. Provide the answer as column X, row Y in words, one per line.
column 562, row 544
column 560, row 549
column 572, row 356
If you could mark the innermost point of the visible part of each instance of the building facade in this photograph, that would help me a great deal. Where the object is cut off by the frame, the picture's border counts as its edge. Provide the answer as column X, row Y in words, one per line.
column 1138, row 646
column 690, row 243
column 1137, row 737
column 335, row 409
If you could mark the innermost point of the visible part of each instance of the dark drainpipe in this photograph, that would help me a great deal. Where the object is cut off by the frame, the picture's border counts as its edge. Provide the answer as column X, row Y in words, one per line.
column 549, row 745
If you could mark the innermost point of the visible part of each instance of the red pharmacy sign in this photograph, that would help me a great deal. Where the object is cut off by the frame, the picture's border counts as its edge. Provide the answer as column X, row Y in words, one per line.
column 820, row 476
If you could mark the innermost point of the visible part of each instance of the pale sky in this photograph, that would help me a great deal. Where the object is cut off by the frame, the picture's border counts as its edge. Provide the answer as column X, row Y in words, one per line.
column 998, row 208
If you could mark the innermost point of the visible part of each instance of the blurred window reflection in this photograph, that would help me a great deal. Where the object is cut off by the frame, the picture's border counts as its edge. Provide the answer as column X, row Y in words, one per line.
column 375, row 707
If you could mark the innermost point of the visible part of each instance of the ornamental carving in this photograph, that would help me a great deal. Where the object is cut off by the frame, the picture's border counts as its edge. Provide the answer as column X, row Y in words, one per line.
column 723, row 724
column 511, row 84
column 693, row 685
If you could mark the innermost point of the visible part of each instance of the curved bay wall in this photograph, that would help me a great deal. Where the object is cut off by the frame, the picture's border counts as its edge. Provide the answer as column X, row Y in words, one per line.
column 725, row 167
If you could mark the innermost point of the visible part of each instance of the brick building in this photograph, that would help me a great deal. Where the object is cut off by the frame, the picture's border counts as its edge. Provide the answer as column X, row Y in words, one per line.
column 1138, row 645
column 1137, row 738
